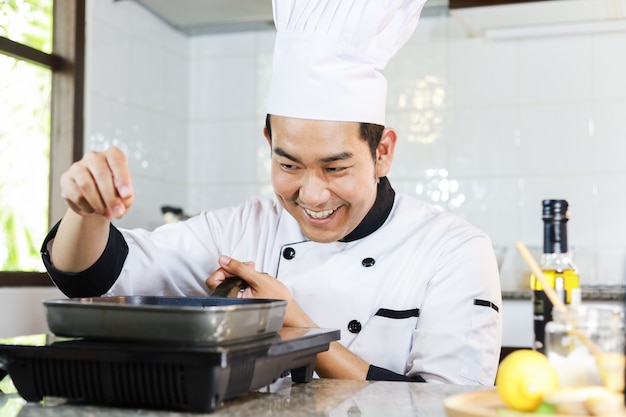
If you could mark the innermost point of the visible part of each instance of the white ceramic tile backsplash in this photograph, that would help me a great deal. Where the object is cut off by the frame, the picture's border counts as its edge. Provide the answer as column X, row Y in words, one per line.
column 108, row 58
column 472, row 131
column 228, row 151
column 496, row 196
column 609, row 66
column 223, row 87
column 208, row 46
column 610, row 223
column 416, row 88
column 482, row 72
column 555, row 139
column 421, row 143
column 609, row 130
column 558, row 68
column 486, row 128
column 137, row 98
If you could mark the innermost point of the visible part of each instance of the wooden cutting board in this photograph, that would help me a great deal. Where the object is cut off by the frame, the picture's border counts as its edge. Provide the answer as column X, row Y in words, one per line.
column 483, row 404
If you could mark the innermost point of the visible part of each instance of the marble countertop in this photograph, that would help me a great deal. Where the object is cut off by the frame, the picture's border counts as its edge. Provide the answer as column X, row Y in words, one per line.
column 320, row 397
column 589, row 293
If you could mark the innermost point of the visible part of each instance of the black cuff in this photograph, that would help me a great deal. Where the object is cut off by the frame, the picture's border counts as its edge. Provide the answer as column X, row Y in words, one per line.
column 375, row 373
column 95, row 280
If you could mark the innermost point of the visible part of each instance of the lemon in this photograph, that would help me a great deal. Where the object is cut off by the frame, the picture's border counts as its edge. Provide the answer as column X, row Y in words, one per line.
column 523, row 378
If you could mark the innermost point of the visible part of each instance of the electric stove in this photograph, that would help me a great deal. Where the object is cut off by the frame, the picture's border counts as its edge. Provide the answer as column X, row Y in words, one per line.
column 177, row 376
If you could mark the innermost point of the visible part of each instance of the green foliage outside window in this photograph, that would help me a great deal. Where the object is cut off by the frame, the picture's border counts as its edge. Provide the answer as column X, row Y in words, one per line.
column 28, row 22
column 24, row 136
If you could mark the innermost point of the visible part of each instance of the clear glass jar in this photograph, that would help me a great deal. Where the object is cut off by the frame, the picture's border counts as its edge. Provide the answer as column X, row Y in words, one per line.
column 574, row 363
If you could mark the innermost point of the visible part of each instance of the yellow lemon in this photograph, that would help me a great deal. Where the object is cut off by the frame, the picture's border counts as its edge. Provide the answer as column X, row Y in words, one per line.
column 523, row 378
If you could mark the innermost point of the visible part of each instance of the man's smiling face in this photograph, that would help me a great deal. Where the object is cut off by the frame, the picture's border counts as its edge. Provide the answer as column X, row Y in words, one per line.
column 323, row 174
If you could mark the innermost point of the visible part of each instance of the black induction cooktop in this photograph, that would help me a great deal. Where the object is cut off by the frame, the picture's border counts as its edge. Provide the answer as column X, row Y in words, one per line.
column 191, row 377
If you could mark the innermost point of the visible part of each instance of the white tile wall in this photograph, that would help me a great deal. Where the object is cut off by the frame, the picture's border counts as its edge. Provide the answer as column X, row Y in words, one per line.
column 487, row 128
column 482, row 73
column 137, row 98
column 555, row 69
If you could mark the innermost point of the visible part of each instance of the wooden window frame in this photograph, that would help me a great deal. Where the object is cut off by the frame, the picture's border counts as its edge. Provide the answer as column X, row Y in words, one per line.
column 67, row 63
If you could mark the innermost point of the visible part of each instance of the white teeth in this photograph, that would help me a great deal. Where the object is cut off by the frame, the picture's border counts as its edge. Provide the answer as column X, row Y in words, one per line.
column 319, row 214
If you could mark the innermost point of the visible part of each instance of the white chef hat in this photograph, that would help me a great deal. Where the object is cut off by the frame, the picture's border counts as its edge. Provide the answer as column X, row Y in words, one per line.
column 329, row 53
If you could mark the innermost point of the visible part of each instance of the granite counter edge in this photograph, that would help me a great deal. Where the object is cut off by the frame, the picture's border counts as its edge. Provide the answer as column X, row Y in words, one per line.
column 588, row 294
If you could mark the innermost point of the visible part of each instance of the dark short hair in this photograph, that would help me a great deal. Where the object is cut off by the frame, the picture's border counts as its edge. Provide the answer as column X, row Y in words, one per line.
column 369, row 132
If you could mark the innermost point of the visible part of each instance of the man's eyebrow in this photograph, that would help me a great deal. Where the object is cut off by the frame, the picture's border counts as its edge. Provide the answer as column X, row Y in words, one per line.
column 337, row 157
column 331, row 158
column 285, row 154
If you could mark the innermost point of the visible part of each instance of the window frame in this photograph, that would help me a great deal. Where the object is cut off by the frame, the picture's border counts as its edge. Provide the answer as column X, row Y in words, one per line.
column 67, row 64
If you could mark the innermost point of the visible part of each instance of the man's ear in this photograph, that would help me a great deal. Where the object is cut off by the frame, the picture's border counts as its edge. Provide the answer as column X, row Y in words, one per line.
column 385, row 152
column 267, row 136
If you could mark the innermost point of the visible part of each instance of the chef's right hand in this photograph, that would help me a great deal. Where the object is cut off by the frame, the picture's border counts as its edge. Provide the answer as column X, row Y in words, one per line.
column 99, row 185
column 261, row 285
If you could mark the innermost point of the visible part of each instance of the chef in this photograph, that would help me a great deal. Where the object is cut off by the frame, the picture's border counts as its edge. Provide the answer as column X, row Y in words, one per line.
column 414, row 291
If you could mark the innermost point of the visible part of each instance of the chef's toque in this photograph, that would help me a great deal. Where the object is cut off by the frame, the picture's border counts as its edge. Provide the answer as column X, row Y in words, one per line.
column 329, row 53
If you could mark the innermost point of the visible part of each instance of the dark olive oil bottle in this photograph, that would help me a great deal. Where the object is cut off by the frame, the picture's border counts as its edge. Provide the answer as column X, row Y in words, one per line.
column 556, row 266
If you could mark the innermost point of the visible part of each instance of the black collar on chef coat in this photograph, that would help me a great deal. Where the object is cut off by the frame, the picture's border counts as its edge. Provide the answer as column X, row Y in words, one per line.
column 377, row 214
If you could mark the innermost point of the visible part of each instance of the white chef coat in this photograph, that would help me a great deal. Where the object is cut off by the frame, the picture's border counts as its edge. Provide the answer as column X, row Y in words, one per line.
column 371, row 288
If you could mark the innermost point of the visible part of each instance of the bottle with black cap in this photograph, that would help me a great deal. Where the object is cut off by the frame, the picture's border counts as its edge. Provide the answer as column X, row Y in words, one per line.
column 556, row 266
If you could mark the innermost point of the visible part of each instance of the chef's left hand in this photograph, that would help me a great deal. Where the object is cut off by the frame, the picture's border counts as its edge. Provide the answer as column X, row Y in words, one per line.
column 260, row 285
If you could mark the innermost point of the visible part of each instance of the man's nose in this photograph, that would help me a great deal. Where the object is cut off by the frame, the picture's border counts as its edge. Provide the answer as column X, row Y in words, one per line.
column 314, row 189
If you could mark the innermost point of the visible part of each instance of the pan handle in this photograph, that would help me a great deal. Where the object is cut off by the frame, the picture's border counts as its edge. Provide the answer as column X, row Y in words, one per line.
column 230, row 288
